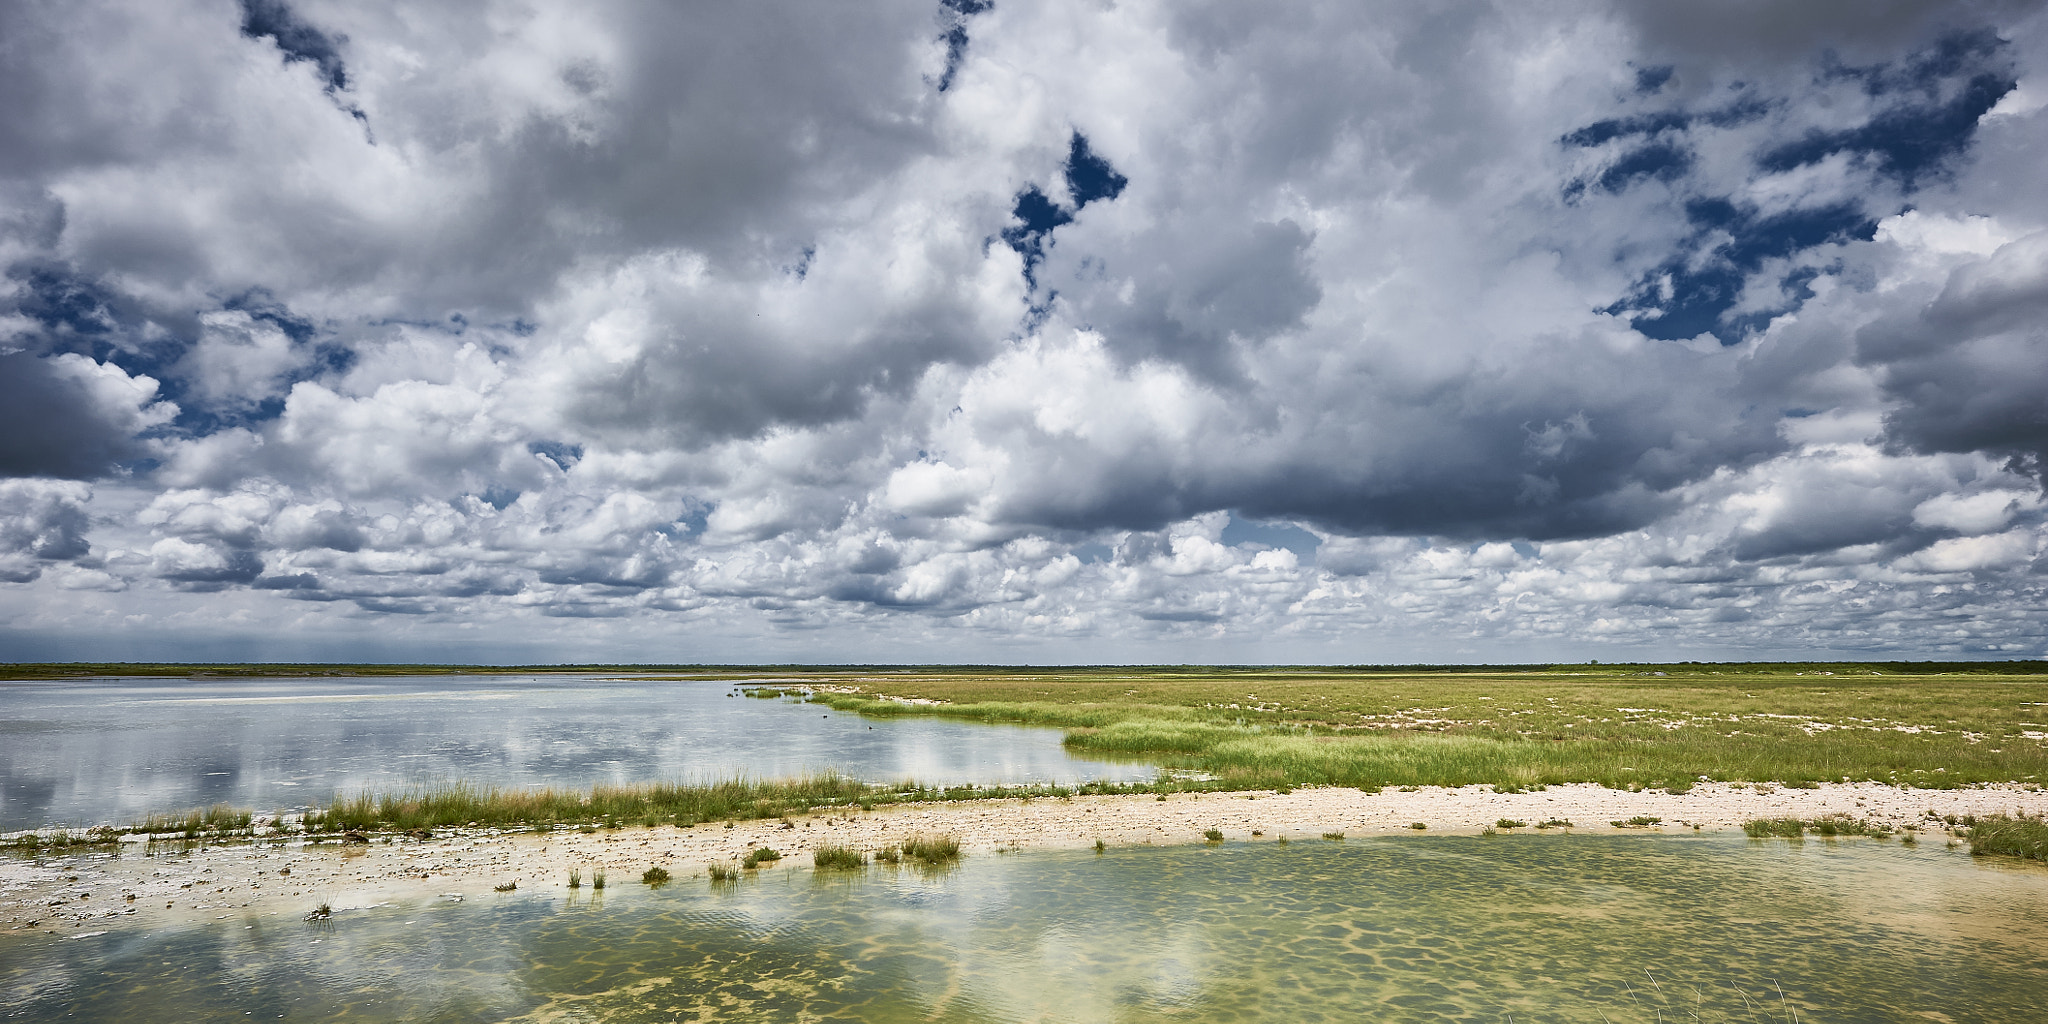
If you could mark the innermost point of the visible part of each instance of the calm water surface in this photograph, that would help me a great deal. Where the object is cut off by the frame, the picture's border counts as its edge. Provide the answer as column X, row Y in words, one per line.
column 1537, row 928
column 85, row 752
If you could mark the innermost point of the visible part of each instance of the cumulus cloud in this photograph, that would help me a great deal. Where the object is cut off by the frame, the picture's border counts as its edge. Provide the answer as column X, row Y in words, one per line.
column 1045, row 331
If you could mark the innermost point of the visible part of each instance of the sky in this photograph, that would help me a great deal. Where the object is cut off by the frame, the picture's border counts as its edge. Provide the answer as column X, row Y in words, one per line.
column 1058, row 331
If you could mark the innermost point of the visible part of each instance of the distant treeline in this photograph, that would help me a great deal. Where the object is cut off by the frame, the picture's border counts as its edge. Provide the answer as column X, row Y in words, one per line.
column 62, row 670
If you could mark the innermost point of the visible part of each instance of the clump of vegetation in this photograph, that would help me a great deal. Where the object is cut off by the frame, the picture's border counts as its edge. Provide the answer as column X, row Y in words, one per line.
column 1214, row 835
column 888, row 855
column 1335, row 837
column 1555, row 823
column 938, row 849
column 1764, row 828
column 760, row 855
column 575, row 878
column 507, row 887
column 1418, row 826
column 722, row 871
column 2013, row 836
column 597, row 879
column 841, row 858
column 320, row 913
column 1100, row 846
column 1639, row 821
column 763, row 692
column 1510, row 823
column 656, row 876
column 1793, row 828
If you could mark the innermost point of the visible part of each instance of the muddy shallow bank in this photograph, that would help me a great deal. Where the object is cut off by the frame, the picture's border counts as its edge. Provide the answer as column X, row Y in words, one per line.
column 1615, row 927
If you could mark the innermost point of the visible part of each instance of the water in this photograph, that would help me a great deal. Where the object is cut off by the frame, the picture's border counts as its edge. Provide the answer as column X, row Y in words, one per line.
column 1543, row 928
column 85, row 752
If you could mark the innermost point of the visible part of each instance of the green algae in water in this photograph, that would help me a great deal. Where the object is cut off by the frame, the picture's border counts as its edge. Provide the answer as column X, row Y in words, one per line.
column 1555, row 928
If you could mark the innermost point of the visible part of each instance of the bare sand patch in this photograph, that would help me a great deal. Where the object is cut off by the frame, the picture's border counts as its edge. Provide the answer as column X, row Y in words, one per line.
column 85, row 890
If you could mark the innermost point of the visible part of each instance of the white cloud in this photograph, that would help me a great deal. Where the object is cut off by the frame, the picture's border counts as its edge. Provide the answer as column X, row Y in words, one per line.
column 1558, row 329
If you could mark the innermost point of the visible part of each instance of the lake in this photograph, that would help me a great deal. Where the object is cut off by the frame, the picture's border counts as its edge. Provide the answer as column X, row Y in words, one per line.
column 1529, row 928
column 110, row 751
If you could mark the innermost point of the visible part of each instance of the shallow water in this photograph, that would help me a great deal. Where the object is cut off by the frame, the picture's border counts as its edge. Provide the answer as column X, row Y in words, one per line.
column 1537, row 928
column 85, row 752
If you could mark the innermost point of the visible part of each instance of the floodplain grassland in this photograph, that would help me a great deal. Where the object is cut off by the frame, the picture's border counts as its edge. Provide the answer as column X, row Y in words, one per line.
column 1632, row 727
column 1626, row 727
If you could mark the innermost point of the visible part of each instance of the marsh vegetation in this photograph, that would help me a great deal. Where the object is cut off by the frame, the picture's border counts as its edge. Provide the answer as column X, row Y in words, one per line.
column 1620, row 726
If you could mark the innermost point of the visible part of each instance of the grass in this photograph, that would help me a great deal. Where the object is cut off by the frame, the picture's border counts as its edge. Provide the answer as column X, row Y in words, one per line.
column 1927, row 726
column 2020, row 836
column 1214, row 835
column 1639, row 821
column 722, row 871
column 1510, row 823
column 939, row 849
column 1794, row 828
column 838, row 858
column 1515, row 728
column 760, row 855
column 575, row 879
column 597, row 879
column 656, row 876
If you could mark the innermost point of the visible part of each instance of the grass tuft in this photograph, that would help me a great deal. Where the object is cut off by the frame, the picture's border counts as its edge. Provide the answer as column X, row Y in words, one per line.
column 656, row 876
column 1214, row 835
column 2012, row 836
column 842, row 858
column 723, row 871
column 1831, row 825
column 760, row 855
column 938, row 849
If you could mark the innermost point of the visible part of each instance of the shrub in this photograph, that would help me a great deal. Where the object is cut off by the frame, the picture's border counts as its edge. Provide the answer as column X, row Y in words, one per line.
column 1510, row 823
column 1214, row 835
column 655, row 876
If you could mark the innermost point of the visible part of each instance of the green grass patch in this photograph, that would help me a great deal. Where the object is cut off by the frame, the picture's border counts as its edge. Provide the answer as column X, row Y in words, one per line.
column 2012, row 836
column 1794, row 828
column 840, row 858
column 938, row 849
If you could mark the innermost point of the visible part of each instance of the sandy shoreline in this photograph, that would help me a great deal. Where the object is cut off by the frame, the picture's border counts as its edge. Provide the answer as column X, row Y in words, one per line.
column 82, row 890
